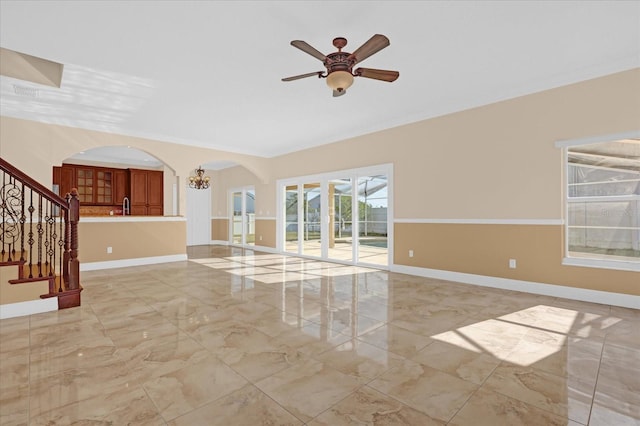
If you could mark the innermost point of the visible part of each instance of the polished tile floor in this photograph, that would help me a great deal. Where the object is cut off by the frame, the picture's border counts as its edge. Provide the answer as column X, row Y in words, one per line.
column 233, row 337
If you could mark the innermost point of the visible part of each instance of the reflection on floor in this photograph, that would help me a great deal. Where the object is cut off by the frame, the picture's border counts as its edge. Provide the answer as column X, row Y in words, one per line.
column 234, row 337
column 343, row 251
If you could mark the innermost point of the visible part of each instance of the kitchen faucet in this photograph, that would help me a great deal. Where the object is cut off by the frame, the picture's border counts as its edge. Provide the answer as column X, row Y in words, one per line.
column 125, row 206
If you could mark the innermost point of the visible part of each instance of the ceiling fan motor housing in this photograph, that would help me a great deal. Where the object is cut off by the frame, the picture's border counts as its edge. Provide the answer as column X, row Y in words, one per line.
column 339, row 74
column 339, row 61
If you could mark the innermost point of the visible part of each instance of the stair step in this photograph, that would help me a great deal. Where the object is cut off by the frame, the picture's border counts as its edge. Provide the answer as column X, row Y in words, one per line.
column 37, row 274
column 66, row 298
column 32, row 280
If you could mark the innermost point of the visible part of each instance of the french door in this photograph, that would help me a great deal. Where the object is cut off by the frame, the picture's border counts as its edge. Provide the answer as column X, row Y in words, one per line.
column 343, row 217
column 243, row 214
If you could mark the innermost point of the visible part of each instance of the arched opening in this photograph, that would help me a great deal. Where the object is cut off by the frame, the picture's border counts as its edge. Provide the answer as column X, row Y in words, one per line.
column 118, row 180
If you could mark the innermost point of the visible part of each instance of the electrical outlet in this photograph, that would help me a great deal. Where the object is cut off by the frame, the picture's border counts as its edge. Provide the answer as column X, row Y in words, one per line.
column 109, row 250
column 410, row 253
column 260, row 237
column 512, row 263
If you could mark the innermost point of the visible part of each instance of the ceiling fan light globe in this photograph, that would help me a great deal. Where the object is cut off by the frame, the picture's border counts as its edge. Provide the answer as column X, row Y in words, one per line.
column 340, row 80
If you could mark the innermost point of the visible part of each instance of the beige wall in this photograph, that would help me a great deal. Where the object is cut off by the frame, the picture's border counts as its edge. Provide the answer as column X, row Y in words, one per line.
column 496, row 162
column 35, row 147
column 236, row 178
column 492, row 162
column 14, row 293
column 486, row 249
column 220, row 229
column 130, row 240
column 266, row 233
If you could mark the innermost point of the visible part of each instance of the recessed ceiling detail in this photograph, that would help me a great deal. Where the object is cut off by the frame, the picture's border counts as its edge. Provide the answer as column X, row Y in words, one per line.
column 30, row 68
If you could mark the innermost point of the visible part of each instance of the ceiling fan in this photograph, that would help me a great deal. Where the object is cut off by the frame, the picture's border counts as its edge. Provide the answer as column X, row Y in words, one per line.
column 339, row 65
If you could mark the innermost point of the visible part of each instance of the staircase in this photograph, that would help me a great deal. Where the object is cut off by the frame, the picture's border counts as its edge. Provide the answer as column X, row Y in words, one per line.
column 38, row 239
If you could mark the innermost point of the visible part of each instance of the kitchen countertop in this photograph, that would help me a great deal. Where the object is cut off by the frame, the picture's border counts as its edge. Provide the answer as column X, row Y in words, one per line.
column 132, row 218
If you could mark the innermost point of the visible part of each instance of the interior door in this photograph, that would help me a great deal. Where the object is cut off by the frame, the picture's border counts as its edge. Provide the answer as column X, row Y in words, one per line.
column 198, row 216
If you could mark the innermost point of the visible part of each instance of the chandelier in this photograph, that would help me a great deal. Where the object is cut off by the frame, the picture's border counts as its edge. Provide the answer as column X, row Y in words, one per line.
column 199, row 181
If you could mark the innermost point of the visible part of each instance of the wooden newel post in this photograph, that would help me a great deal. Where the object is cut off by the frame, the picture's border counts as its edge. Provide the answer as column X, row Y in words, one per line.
column 67, row 243
column 74, row 218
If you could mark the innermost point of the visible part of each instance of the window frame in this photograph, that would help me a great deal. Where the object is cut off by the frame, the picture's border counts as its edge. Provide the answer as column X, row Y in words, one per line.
column 603, row 263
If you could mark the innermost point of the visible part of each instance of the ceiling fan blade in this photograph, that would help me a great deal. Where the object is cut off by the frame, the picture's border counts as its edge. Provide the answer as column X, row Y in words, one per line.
column 337, row 93
column 383, row 75
column 306, row 47
column 373, row 45
column 297, row 77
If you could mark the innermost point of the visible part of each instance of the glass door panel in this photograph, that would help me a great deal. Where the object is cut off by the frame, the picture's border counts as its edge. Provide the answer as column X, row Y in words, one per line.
column 312, row 219
column 236, row 225
column 340, row 198
column 341, row 217
column 291, row 219
column 250, row 214
column 372, row 215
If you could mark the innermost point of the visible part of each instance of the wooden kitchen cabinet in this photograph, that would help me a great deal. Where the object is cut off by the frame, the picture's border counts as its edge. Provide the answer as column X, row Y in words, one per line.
column 147, row 192
column 101, row 190
column 95, row 185
column 120, row 185
column 65, row 178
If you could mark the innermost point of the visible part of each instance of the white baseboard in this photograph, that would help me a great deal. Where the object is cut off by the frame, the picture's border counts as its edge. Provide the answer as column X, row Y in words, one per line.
column 265, row 249
column 123, row 263
column 30, row 307
column 257, row 248
column 583, row 294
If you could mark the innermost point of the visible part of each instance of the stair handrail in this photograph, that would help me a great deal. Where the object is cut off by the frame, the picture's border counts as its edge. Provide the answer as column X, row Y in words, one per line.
column 43, row 190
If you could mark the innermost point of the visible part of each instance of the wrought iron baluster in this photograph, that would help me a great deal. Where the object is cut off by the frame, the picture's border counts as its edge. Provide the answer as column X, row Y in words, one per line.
column 22, row 220
column 49, row 239
column 10, row 201
column 31, row 240
column 67, row 244
column 12, row 243
column 3, row 206
column 60, row 247
column 40, row 232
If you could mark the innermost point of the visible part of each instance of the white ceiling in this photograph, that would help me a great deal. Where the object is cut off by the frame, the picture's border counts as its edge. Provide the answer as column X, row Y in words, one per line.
column 208, row 73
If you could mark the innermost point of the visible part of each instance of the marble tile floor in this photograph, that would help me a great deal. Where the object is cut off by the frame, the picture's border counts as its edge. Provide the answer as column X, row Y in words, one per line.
column 236, row 337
